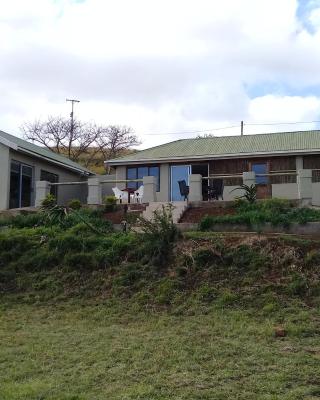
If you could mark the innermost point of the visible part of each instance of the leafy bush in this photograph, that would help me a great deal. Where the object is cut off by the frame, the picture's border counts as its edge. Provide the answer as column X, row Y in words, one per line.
column 23, row 221
column 110, row 203
column 250, row 193
column 274, row 211
column 74, row 204
column 159, row 236
column 49, row 202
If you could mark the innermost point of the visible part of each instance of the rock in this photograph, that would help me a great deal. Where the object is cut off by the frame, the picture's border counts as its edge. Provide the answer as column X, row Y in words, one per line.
column 279, row 331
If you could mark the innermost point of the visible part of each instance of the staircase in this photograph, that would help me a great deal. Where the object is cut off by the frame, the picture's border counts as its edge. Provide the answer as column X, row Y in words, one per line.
column 179, row 207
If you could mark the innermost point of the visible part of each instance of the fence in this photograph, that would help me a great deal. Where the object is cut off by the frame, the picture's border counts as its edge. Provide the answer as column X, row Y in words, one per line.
column 303, row 189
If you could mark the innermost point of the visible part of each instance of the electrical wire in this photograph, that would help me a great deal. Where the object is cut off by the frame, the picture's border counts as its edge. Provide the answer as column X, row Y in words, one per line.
column 229, row 127
column 283, row 123
column 198, row 131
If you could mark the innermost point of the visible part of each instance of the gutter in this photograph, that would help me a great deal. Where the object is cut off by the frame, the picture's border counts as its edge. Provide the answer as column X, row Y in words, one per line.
column 209, row 157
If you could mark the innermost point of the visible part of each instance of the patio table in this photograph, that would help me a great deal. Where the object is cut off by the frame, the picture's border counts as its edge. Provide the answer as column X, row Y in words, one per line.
column 130, row 191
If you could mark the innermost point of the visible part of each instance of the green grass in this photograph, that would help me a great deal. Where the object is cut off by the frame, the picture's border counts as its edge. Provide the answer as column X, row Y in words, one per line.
column 92, row 316
column 84, row 351
column 277, row 212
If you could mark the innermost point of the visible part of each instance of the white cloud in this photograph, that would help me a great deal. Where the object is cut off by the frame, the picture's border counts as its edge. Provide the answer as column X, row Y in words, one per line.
column 158, row 66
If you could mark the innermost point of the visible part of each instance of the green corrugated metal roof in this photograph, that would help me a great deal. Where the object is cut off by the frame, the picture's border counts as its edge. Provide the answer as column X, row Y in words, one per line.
column 229, row 145
column 42, row 152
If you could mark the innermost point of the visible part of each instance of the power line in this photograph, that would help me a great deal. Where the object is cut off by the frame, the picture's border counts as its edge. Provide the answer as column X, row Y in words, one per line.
column 284, row 123
column 229, row 127
column 197, row 131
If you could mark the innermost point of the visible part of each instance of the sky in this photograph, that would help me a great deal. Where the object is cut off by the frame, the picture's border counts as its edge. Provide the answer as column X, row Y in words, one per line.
column 186, row 67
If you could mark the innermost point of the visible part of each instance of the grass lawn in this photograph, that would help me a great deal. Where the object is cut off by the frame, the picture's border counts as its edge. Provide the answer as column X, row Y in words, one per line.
column 84, row 351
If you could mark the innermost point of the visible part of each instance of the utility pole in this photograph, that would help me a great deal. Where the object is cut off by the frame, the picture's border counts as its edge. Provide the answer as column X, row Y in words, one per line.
column 71, row 114
column 242, row 128
column 72, row 125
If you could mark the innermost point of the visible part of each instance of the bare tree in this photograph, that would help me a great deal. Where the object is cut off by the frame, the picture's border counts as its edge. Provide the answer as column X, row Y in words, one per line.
column 115, row 140
column 84, row 142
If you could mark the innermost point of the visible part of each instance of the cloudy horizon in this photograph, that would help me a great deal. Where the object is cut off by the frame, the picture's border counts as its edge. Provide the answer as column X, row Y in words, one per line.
column 162, row 67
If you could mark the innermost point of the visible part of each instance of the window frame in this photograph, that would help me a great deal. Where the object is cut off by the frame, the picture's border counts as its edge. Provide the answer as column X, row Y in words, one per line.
column 136, row 185
column 21, row 164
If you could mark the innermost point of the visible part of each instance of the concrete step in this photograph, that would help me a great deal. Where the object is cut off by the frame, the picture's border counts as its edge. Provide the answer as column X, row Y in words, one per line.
column 179, row 207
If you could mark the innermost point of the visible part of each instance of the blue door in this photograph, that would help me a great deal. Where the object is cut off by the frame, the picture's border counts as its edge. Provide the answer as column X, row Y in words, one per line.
column 178, row 173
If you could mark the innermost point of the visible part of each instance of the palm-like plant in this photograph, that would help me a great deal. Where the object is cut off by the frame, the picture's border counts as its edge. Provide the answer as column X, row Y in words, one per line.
column 250, row 192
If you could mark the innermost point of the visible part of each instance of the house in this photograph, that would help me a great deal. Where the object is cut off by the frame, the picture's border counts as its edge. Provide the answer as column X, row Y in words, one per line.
column 274, row 157
column 23, row 163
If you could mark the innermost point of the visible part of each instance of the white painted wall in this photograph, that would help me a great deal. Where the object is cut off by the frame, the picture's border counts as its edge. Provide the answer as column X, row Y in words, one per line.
column 285, row 191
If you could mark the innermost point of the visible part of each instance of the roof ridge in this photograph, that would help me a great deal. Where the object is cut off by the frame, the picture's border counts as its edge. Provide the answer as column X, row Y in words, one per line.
column 248, row 135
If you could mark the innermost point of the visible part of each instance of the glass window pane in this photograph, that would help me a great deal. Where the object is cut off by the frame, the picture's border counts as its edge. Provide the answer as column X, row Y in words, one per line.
column 26, row 186
column 142, row 171
column 260, row 169
column 155, row 171
column 14, row 199
column 132, row 174
column 178, row 173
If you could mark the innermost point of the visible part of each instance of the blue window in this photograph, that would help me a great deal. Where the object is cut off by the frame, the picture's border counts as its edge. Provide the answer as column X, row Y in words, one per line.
column 132, row 174
column 261, row 168
column 139, row 173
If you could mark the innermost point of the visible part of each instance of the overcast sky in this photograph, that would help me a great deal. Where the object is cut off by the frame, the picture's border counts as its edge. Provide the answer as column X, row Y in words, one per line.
column 161, row 66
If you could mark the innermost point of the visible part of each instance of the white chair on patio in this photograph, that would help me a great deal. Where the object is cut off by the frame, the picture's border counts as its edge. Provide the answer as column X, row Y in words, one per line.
column 121, row 196
column 138, row 195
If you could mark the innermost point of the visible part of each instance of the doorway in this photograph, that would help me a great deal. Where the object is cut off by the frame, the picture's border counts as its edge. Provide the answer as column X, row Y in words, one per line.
column 262, row 182
column 21, row 185
column 178, row 173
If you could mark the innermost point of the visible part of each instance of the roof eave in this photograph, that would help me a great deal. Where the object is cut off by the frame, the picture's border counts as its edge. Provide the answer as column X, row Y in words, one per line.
column 209, row 156
column 61, row 164
column 8, row 143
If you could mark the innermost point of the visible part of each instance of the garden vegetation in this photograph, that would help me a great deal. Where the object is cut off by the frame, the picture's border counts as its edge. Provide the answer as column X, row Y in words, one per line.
column 89, row 313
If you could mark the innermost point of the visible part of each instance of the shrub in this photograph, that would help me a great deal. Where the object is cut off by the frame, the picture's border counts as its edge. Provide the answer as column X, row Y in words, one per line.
column 49, row 202
column 23, row 221
column 110, row 203
column 274, row 211
column 74, row 204
column 250, row 193
column 159, row 236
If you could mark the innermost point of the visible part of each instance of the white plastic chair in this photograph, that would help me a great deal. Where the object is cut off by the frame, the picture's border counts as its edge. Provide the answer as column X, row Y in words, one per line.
column 138, row 194
column 120, row 195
